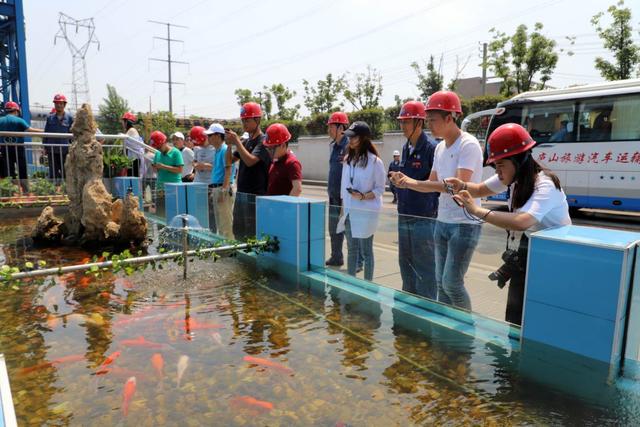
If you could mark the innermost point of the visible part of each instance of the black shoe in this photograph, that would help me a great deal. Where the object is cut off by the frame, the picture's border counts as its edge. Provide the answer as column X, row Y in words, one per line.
column 334, row 262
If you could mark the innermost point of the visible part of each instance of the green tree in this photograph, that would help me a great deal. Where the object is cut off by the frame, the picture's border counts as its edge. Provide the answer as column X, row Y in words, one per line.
column 282, row 95
column 618, row 38
column 323, row 98
column 163, row 121
column 521, row 58
column 111, row 111
column 367, row 90
column 430, row 81
column 263, row 98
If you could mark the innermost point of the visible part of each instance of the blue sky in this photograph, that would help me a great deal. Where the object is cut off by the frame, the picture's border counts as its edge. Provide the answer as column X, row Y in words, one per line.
column 250, row 43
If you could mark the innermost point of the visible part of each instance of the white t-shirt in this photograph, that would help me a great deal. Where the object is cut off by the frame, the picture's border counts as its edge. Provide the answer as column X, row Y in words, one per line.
column 465, row 153
column 547, row 204
column 187, row 158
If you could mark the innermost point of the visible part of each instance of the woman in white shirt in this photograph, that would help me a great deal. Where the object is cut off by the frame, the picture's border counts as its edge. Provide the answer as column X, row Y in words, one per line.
column 537, row 202
column 362, row 186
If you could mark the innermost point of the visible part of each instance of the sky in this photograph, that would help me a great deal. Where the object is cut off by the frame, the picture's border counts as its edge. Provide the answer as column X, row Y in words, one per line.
column 250, row 44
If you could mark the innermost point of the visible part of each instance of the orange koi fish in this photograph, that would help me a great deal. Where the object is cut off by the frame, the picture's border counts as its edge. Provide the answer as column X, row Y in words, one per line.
column 127, row 394
column 251, row 403
column 58, row 361
column 108, row 361
column 158, row 364
column 192, row 325
column 268, row 364
column 141, row 342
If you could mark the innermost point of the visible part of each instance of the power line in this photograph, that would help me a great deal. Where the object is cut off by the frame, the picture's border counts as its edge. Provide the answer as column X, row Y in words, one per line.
column 169, row 61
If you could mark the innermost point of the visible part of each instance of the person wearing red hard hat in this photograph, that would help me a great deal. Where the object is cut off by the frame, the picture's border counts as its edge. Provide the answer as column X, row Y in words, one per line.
column 285, row 173
column 58, row 122
column 336, row 125
column 456, row 233
column 253, row 170
column 536, row 202
column 167, row 161
column 13, row 162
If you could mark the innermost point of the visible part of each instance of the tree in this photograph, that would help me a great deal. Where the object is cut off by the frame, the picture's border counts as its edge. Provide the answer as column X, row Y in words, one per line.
column 163, row 121
column 429, row 82
column 522, row 57
column 618, row 38
column 323, row 98
column 111, row 111
column 263, row 98
column 282, row 95
column 367, row 90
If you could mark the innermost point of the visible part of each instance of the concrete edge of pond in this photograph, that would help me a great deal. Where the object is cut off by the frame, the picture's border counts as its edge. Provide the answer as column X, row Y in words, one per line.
column 7, row 412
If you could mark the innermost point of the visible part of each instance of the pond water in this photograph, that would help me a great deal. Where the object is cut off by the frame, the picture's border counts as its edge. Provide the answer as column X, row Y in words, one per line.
column 234, row 345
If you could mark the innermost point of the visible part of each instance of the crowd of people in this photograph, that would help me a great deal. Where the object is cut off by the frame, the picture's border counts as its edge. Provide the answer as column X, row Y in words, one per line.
column 436, row 181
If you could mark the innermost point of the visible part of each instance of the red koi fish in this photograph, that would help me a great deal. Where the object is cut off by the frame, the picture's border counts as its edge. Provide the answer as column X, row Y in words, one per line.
column 192, row 325
column 65, row 359
column 251, row 403
column 108, row 361
column 127, row 394
column 113, row 298
column 158, row 364
column 268, row 364
column 141, row 342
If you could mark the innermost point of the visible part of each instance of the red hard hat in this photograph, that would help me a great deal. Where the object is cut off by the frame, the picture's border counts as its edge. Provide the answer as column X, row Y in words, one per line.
column 250, row 110
column 197, row 135
column 11, row 106
column 508, row 140
column 59, row 98
column 129, row 116
column 277, row 134
column 444, row 100
column 157, row 138
column 338, row 118
column 412, row 110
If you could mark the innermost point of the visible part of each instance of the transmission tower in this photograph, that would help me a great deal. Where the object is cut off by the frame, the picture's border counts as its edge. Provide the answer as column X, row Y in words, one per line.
column 170, row 82
column 80, row 80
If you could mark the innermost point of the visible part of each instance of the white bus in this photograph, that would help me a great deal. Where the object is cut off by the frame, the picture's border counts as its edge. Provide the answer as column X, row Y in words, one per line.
column 588, row 135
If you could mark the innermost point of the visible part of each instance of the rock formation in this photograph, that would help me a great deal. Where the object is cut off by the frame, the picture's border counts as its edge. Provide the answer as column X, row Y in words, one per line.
column 92, row 217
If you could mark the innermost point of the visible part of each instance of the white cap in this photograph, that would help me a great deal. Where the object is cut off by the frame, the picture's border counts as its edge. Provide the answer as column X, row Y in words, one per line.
column 177, row 135
column 396, row 153
column 215, row 128
column 245, row 135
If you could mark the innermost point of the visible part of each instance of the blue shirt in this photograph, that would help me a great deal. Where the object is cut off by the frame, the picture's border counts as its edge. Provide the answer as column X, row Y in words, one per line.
column 338, row 151
column 217, row 177
column 13, row 123
column 56, row 125
column 417, row 165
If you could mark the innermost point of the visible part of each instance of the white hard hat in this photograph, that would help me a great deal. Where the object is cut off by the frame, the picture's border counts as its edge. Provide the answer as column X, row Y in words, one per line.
column 215, row 128
column 396, row 153
column 178, row 135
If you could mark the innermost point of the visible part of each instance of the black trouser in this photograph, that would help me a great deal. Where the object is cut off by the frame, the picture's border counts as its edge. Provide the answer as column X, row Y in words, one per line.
column 56, row 157
column 244, row 216
column 337, row 239
column 515, row 298
column 9, row 156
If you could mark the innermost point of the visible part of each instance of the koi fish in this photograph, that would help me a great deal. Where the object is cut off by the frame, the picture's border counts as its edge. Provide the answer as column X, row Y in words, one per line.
column 251, row 403
column 158, row 364
column 84, row 281
column 192, row 325
column 85, row 260
column 52, row 322
column 217, row 339
column 65, row 359
column 268, row 364
column 183, row 362
column 108, row 361
column 115, row 298
column 127, row 394
column 141, row 342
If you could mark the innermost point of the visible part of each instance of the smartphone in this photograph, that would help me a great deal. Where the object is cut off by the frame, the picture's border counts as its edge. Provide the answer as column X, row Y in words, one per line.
column 449, row 189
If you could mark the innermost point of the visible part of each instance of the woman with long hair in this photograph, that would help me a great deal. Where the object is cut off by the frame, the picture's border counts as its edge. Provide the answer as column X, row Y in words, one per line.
column 361, row 189
column 537, row 202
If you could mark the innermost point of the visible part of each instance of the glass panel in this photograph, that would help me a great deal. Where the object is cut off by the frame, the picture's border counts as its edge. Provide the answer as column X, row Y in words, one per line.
column 610, row 119
column 550, row 122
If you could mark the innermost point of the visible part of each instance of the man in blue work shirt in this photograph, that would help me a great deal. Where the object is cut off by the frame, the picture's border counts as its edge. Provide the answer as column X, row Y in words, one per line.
column 12, row 155
column 417, row 211
column 58, row 122
column 221, row 180
column 337, row 124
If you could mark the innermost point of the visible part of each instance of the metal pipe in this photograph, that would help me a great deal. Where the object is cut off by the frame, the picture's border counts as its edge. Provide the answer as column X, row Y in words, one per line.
column 185, row 247
column 136, row 260
column 70, row 135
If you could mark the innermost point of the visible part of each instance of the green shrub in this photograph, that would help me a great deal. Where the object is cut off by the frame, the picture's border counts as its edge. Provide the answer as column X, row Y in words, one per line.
column 317, row 124
column 42, row 187
column 374, row 117
column 7, row 187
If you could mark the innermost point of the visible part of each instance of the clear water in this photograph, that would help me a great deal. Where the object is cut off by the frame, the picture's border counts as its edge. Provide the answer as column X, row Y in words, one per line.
column 325, row 356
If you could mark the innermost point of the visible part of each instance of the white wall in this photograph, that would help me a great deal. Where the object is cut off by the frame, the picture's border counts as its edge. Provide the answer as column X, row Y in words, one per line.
column 313, row 153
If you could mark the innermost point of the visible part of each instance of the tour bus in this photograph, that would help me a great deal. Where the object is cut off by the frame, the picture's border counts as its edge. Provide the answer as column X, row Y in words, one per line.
column 588, row 135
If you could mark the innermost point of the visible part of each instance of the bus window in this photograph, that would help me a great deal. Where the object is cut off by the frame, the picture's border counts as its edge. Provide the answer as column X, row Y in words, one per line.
column 609, row 119
column 550, row 122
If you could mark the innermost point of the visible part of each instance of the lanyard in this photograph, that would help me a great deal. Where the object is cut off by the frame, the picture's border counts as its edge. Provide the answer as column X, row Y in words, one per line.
column 352, row 172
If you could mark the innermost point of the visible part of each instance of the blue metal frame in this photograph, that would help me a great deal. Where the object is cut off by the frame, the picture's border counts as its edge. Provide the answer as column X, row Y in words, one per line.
column 13, row 65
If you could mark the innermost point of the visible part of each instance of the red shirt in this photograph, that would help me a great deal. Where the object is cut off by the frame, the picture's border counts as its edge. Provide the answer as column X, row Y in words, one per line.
column 281, row 174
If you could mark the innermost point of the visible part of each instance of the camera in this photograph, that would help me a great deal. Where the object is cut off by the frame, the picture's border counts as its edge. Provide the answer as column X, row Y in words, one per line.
column 511, row 265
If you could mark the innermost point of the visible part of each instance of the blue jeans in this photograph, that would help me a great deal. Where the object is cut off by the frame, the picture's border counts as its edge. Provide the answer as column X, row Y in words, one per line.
column 416, row 255
column 359, row 248
column 455, row 244
column 336, row 238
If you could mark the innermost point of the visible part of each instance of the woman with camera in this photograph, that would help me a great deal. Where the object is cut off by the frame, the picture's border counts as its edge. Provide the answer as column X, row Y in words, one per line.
column 537, row 202
column 361, row 189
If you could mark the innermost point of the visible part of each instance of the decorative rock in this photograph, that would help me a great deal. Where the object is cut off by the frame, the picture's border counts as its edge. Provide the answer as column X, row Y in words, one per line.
column 48, row 228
